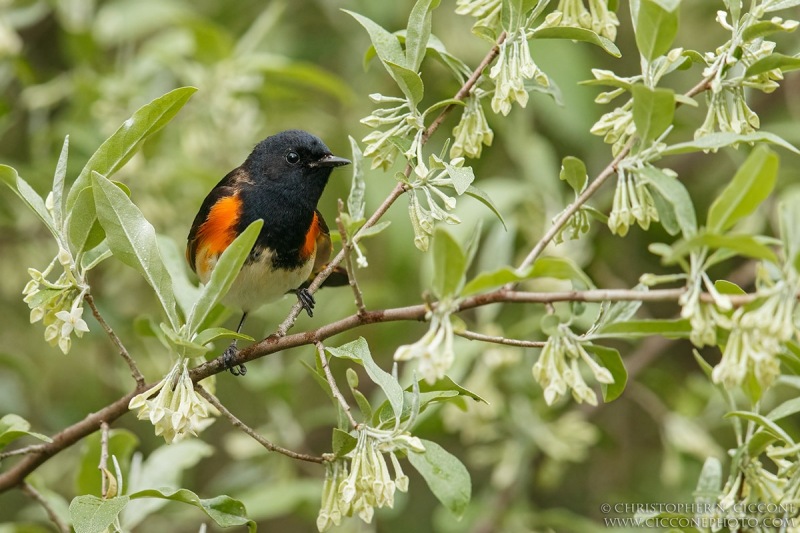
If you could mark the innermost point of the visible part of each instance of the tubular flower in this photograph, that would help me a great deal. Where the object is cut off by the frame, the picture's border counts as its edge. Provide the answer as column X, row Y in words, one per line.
column 558, row 371
column 435, row 349
column 514, row 65
column 176, row 410
column 472, row 132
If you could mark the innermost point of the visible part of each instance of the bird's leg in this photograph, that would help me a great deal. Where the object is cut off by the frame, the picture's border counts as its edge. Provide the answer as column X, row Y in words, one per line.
column 306, row 300
column 229, row 355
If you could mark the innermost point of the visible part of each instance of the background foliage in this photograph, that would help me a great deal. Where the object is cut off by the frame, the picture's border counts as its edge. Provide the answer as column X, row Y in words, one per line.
column 81, row 67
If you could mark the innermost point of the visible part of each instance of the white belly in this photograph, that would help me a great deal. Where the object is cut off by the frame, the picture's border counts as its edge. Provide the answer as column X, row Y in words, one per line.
column 258, row 283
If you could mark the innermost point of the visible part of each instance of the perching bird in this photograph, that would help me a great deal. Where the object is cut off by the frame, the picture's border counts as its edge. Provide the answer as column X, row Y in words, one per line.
column 281, row 182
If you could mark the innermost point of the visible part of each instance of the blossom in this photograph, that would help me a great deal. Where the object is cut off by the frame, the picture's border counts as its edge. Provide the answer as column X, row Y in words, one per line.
column 176, row 410
column 632, row 203
column 434, row 351
column 472, row 131
column 514, row 65
column 399, row 120
column 616, row 126
column 366, row 482
column 757, row 337
column 557, row 369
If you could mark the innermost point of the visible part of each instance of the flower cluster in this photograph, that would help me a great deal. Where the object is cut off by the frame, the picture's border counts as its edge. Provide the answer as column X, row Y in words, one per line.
column 728, row 110
column 632, row 203
column 616, row 126
column 177, row 410
column 514, row 65
column 435, row 349
column 400, row 120
column 598, row 18
column 59, row 304
column 757, row 337
column 425, row 193
column 557, row 369
column 472, row 131
column 705, row 318
column 367, row 483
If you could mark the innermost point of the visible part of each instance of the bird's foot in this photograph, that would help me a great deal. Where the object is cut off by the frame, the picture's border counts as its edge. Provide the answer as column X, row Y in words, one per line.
column 229, row 360
column 306, row 300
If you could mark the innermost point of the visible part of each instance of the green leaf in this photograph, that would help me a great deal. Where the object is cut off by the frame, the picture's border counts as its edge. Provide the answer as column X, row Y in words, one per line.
column 449, row 264
column 26, row 193
column 13, row 427
column 409, row 81
column 676, row 196
column 58, row 185
column 782, row 4
column 132, row 240
column 765, row 423
column 573, row 171
column 613, row 312
column 762, row 28
column 787, row 408
column 789, row 217
column 83, row 228
column 358, row 351
column 561, row 268
column 483, row 198
column 163, row 468
column 418, row 32
column 446, row 384
column 577, row 34
column 355, row 200
column 445, row 475
column 186, row 292
column 656, row 27
column 462, row 177
column 223, row 276
column 213, row 334
column 709, row 484
column 223, row 510
column 671, row 329
column 612, row 360
column 653, row 110
column 716, row 141
column 771, row 62
column 374, row 230
column 492, row 279
column 122, row 145
column 727, row 287
column 91, row 514
column 741, row 243
column 751, row 185
column 121, row 444
column 389, row 51
column 342, row 442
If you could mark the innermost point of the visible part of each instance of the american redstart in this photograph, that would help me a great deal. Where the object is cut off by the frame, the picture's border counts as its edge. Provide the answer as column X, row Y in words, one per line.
column 281, row 182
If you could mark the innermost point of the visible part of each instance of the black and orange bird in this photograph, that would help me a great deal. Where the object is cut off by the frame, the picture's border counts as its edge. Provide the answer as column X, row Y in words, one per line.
column 281, row 182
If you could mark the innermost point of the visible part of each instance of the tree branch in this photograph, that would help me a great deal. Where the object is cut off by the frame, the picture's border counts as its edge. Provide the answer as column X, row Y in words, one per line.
column 35, row 495
column 332, row 382
column 137, row 375
column 253, row 433
column 474, row 336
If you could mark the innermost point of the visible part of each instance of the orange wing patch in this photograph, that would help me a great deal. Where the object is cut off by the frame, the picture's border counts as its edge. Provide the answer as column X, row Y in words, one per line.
column 310, row 244
column 219, row 229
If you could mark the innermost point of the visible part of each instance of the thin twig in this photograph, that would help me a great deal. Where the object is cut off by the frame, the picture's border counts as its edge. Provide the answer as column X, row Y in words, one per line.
column 137, row 375
column 253, row 433
column 35, row 495
column 347, row 247
column 332, row 382
column 33, row 448
column 474, row 336
column 103, row 465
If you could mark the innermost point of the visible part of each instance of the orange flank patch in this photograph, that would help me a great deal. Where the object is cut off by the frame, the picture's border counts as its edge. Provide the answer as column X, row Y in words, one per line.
column 310, row 245
column 219, row 229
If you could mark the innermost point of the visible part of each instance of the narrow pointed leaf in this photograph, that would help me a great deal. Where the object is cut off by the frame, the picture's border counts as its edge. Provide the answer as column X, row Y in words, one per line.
column 120, row 147
column 449, row 264
column 445, row 475
column 132, row 240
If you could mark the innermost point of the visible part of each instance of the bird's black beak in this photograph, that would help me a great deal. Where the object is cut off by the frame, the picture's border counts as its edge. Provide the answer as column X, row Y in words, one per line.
column 330, row 160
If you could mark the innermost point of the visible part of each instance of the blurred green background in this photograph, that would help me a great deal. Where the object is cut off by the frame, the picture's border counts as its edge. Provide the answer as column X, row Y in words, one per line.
column 81, row 67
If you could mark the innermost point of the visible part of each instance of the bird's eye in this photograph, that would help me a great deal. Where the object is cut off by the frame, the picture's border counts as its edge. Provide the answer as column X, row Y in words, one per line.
column 292, row 158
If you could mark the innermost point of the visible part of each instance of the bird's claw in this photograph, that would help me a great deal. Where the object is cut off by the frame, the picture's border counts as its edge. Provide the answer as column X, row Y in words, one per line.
column 306, row 300
column 229, row 360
